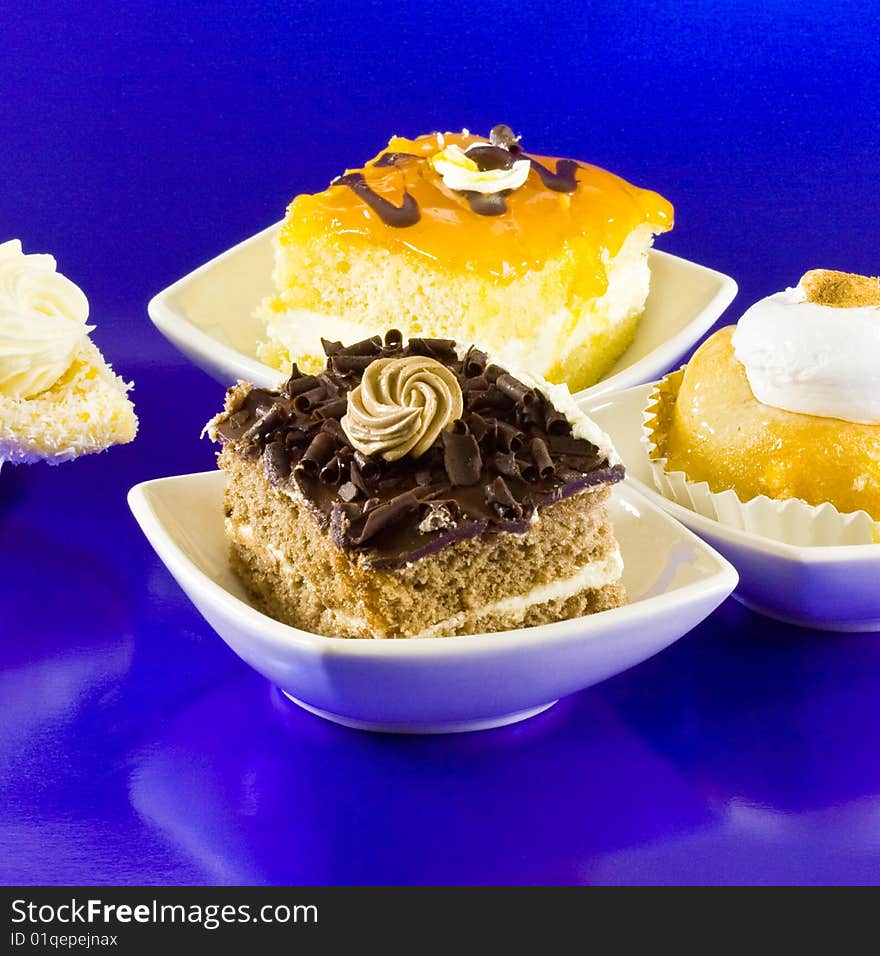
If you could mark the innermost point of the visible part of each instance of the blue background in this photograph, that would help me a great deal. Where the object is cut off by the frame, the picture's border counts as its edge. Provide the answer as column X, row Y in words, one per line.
column 138, row 140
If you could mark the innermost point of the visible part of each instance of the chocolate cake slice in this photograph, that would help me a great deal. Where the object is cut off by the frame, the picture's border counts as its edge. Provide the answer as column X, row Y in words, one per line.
column 417, row 490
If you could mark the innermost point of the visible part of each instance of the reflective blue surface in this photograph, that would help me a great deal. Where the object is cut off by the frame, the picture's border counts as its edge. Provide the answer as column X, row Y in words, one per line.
column 134, row 746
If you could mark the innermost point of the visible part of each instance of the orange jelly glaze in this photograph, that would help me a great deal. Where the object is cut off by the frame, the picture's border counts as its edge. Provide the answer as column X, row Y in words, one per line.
column 599, row 214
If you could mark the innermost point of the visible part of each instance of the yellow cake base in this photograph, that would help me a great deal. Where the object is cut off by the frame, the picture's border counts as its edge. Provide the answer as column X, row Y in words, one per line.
column 85, row 411
column 539, row 321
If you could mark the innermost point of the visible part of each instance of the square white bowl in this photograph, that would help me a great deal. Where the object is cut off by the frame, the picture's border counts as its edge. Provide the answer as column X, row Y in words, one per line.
column 438, row 685
column 208, row 315
column 831, row 588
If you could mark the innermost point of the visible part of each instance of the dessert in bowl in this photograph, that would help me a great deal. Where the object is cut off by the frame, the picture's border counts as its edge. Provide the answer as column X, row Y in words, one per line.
column 418, row 489
column 58, row 397
column 774, row 425
column 540, row 259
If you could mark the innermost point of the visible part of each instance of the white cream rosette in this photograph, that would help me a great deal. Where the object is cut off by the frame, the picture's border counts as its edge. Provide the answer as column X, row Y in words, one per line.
column 42, row 322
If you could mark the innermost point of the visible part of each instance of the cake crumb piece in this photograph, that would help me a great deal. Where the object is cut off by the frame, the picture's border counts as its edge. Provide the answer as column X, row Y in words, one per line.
column 842, row 290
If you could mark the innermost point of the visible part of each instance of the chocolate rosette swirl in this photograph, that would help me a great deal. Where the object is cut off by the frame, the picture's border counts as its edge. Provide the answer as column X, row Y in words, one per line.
column 401, row 406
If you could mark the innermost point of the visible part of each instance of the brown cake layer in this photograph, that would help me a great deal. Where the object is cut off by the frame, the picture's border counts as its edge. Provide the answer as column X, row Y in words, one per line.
column 297, row 574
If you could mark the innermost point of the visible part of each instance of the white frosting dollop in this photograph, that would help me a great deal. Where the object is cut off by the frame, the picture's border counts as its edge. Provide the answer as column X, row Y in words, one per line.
column 461, row 173
column 812, row 359
column 42, row 322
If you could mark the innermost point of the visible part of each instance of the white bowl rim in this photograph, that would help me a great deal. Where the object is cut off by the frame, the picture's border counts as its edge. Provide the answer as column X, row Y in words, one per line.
column 165, row 317
column 723, row 580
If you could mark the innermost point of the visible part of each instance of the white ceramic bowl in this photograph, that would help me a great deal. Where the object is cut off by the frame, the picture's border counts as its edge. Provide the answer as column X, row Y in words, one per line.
column 437, row 685
column 832, row 588
column 208, row 315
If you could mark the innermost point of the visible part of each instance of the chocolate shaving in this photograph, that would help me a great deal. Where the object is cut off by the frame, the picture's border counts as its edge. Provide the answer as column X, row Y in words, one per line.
column 318, row 453
column 306, row 401
column 461, row 458
column 333, row 409
column 380, row 516
column 502, row 502
column 556, row 423
column 367, row 466
column 567, row 445
column 331, row 386
column 541, row 457
column 269, row 421
column 371, row 346
column 515, row 389
column 393, row 340
column 276, row 461
column 332, row 472
column 344, row 364
column 331, row 348
column 492, row 398
column 475, row 361
column 297, row 386
column 441, row 349
column 506, row 464
column 509, row 437
column 528, row 470
column 332, row 427
column 356, row 478
column 476, row 384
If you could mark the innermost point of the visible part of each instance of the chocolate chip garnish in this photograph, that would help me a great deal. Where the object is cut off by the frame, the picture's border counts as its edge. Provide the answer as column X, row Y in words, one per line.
column 461, row 458
column 490, row 157
column 504, row 137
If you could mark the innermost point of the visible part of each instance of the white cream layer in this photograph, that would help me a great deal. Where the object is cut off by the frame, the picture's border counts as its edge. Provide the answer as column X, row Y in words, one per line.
column 597, row 574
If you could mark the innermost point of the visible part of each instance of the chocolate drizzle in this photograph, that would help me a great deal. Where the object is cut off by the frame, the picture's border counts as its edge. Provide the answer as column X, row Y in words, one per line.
column 492, row 204
column 501, row 153
column 406, row 214
column 510, row 454
column 563, row 180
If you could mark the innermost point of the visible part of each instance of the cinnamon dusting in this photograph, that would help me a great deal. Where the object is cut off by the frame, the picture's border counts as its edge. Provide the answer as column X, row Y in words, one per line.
column 841, row 290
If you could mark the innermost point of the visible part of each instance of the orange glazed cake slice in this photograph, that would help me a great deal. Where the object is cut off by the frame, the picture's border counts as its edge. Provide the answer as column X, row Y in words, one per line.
column 417, row 490
column 542, row 260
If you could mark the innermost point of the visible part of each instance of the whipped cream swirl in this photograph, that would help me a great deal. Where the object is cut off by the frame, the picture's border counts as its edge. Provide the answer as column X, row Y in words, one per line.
column 401, row 406
column 812, row 359
column 42, row 322
column 462, row 173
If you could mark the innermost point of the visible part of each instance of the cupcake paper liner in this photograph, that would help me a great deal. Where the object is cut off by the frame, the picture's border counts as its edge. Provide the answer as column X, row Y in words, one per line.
column 792, row 520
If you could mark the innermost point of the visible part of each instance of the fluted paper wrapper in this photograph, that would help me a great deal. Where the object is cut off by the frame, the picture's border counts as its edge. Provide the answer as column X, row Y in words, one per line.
column 792, row 521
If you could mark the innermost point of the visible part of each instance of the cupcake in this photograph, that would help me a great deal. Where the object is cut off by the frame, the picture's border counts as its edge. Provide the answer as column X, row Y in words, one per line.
column 774, row 424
